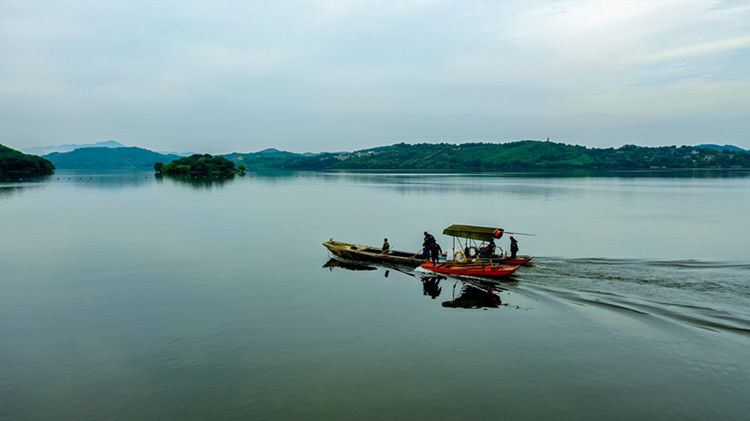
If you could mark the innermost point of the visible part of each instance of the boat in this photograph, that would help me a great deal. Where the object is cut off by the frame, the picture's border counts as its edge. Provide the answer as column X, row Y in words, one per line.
column 360, row 253
column 474, row 270
column 467, row 259
column 467, row 250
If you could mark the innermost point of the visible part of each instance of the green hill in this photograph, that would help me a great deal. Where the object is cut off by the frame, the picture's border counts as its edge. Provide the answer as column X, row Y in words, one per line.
column 268, row 158
column 730, row 148
column 522, row 155
column 512, row 156
column 12, row 160
column 108, row 158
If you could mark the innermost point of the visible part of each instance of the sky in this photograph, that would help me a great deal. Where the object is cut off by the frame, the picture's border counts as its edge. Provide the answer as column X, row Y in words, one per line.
column 227, row 76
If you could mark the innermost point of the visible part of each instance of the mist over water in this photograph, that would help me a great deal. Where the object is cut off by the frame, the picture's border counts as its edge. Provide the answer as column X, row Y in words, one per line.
column 125, row 295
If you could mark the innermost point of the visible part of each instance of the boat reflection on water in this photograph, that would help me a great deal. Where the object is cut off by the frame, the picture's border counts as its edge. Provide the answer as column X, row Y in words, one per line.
column 467, row 293
column 473, row 296
column 333, row 263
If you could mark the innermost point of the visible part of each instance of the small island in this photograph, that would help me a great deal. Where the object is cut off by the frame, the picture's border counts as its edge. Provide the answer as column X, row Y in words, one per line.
column 197, row 164
column 13, row 161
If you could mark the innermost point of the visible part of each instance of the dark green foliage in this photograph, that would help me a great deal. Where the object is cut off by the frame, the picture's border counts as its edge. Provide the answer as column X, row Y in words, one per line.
column 108, row 158
column 728, row 148
column 268, row 158
column 12, row 160
column 523, row 155
column 199, row 164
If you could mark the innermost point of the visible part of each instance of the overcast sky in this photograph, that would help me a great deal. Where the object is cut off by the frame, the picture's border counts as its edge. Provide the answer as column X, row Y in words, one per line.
column 223, row 76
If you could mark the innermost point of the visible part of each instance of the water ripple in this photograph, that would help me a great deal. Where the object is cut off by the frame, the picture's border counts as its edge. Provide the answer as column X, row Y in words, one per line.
column 708, row 295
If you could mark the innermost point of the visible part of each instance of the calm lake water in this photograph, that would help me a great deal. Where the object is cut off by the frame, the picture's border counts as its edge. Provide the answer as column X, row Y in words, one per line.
column 124, row 296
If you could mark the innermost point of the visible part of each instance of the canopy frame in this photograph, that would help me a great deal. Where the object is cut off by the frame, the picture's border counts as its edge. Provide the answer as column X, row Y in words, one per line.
column 474, row 232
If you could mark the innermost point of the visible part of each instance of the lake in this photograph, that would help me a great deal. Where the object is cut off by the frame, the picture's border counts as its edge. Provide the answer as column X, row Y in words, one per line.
column 127, row 296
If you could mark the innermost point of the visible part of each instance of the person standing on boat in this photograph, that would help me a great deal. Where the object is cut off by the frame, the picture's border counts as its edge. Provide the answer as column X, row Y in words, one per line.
column 435, row 252
column 513, row 247
column 386, row 246
column 428, row 240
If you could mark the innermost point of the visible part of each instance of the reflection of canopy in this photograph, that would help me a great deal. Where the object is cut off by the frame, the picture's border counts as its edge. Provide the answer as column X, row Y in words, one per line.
column 474, row 233
column 474, row 298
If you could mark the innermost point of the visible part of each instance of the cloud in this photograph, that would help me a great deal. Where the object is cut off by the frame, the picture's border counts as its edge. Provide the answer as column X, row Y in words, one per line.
column 472, row 67
column 694, row 50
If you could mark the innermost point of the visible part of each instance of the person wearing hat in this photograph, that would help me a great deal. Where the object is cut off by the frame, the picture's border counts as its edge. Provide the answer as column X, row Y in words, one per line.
column 513, row 247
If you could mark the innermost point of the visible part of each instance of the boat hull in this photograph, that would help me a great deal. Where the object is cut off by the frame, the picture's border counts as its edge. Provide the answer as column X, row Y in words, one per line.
column 360, row 253
column 480, row 271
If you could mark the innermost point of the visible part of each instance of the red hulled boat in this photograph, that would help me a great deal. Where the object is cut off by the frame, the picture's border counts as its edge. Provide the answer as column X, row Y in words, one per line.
column 481, row 271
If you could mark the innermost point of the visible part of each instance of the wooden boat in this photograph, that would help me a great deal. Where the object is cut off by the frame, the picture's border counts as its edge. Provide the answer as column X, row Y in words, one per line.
column 481, row 271
column 360, row 253
column 465, row 239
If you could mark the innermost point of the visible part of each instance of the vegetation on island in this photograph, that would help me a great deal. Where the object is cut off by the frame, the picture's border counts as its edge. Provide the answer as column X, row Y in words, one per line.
column 197, row 164
column 522, row 155
column 13, row 161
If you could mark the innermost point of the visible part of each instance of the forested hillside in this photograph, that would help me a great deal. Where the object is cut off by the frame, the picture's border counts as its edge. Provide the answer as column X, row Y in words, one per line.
column 265, row 159
column 108, row 158
column 12, row 160
column 523, row 155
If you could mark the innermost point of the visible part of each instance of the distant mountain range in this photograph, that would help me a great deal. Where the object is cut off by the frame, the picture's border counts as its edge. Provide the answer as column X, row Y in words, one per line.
column 133, row 157
column 521, row 155
column 108, row 158
column 730, row 148
column 469, row 156
column 44, row 150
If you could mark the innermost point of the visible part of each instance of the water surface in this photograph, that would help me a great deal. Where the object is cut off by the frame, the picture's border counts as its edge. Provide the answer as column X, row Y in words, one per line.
column 127, row 296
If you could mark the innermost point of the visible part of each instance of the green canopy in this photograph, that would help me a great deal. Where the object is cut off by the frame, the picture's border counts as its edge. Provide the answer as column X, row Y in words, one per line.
column 474, row 233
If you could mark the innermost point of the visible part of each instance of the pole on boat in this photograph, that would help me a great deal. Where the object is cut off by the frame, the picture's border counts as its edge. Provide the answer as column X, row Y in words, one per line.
column 420, row 250
column 518, row 233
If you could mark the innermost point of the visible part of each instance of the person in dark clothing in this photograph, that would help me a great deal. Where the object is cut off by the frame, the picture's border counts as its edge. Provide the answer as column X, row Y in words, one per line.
column 435, row 252
column 513, row 247
column 428, row 240
column 488, row 250
column 386, row 246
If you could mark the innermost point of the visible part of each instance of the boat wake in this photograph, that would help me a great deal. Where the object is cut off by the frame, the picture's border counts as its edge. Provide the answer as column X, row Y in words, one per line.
column 709, row 295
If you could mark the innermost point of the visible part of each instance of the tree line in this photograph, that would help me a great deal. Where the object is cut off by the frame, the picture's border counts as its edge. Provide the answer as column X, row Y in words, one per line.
column 522, row 155
column 200, row 164
column 12, row 161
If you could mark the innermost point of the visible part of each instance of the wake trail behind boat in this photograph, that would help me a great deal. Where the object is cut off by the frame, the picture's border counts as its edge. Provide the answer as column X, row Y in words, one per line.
column 710, row 295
